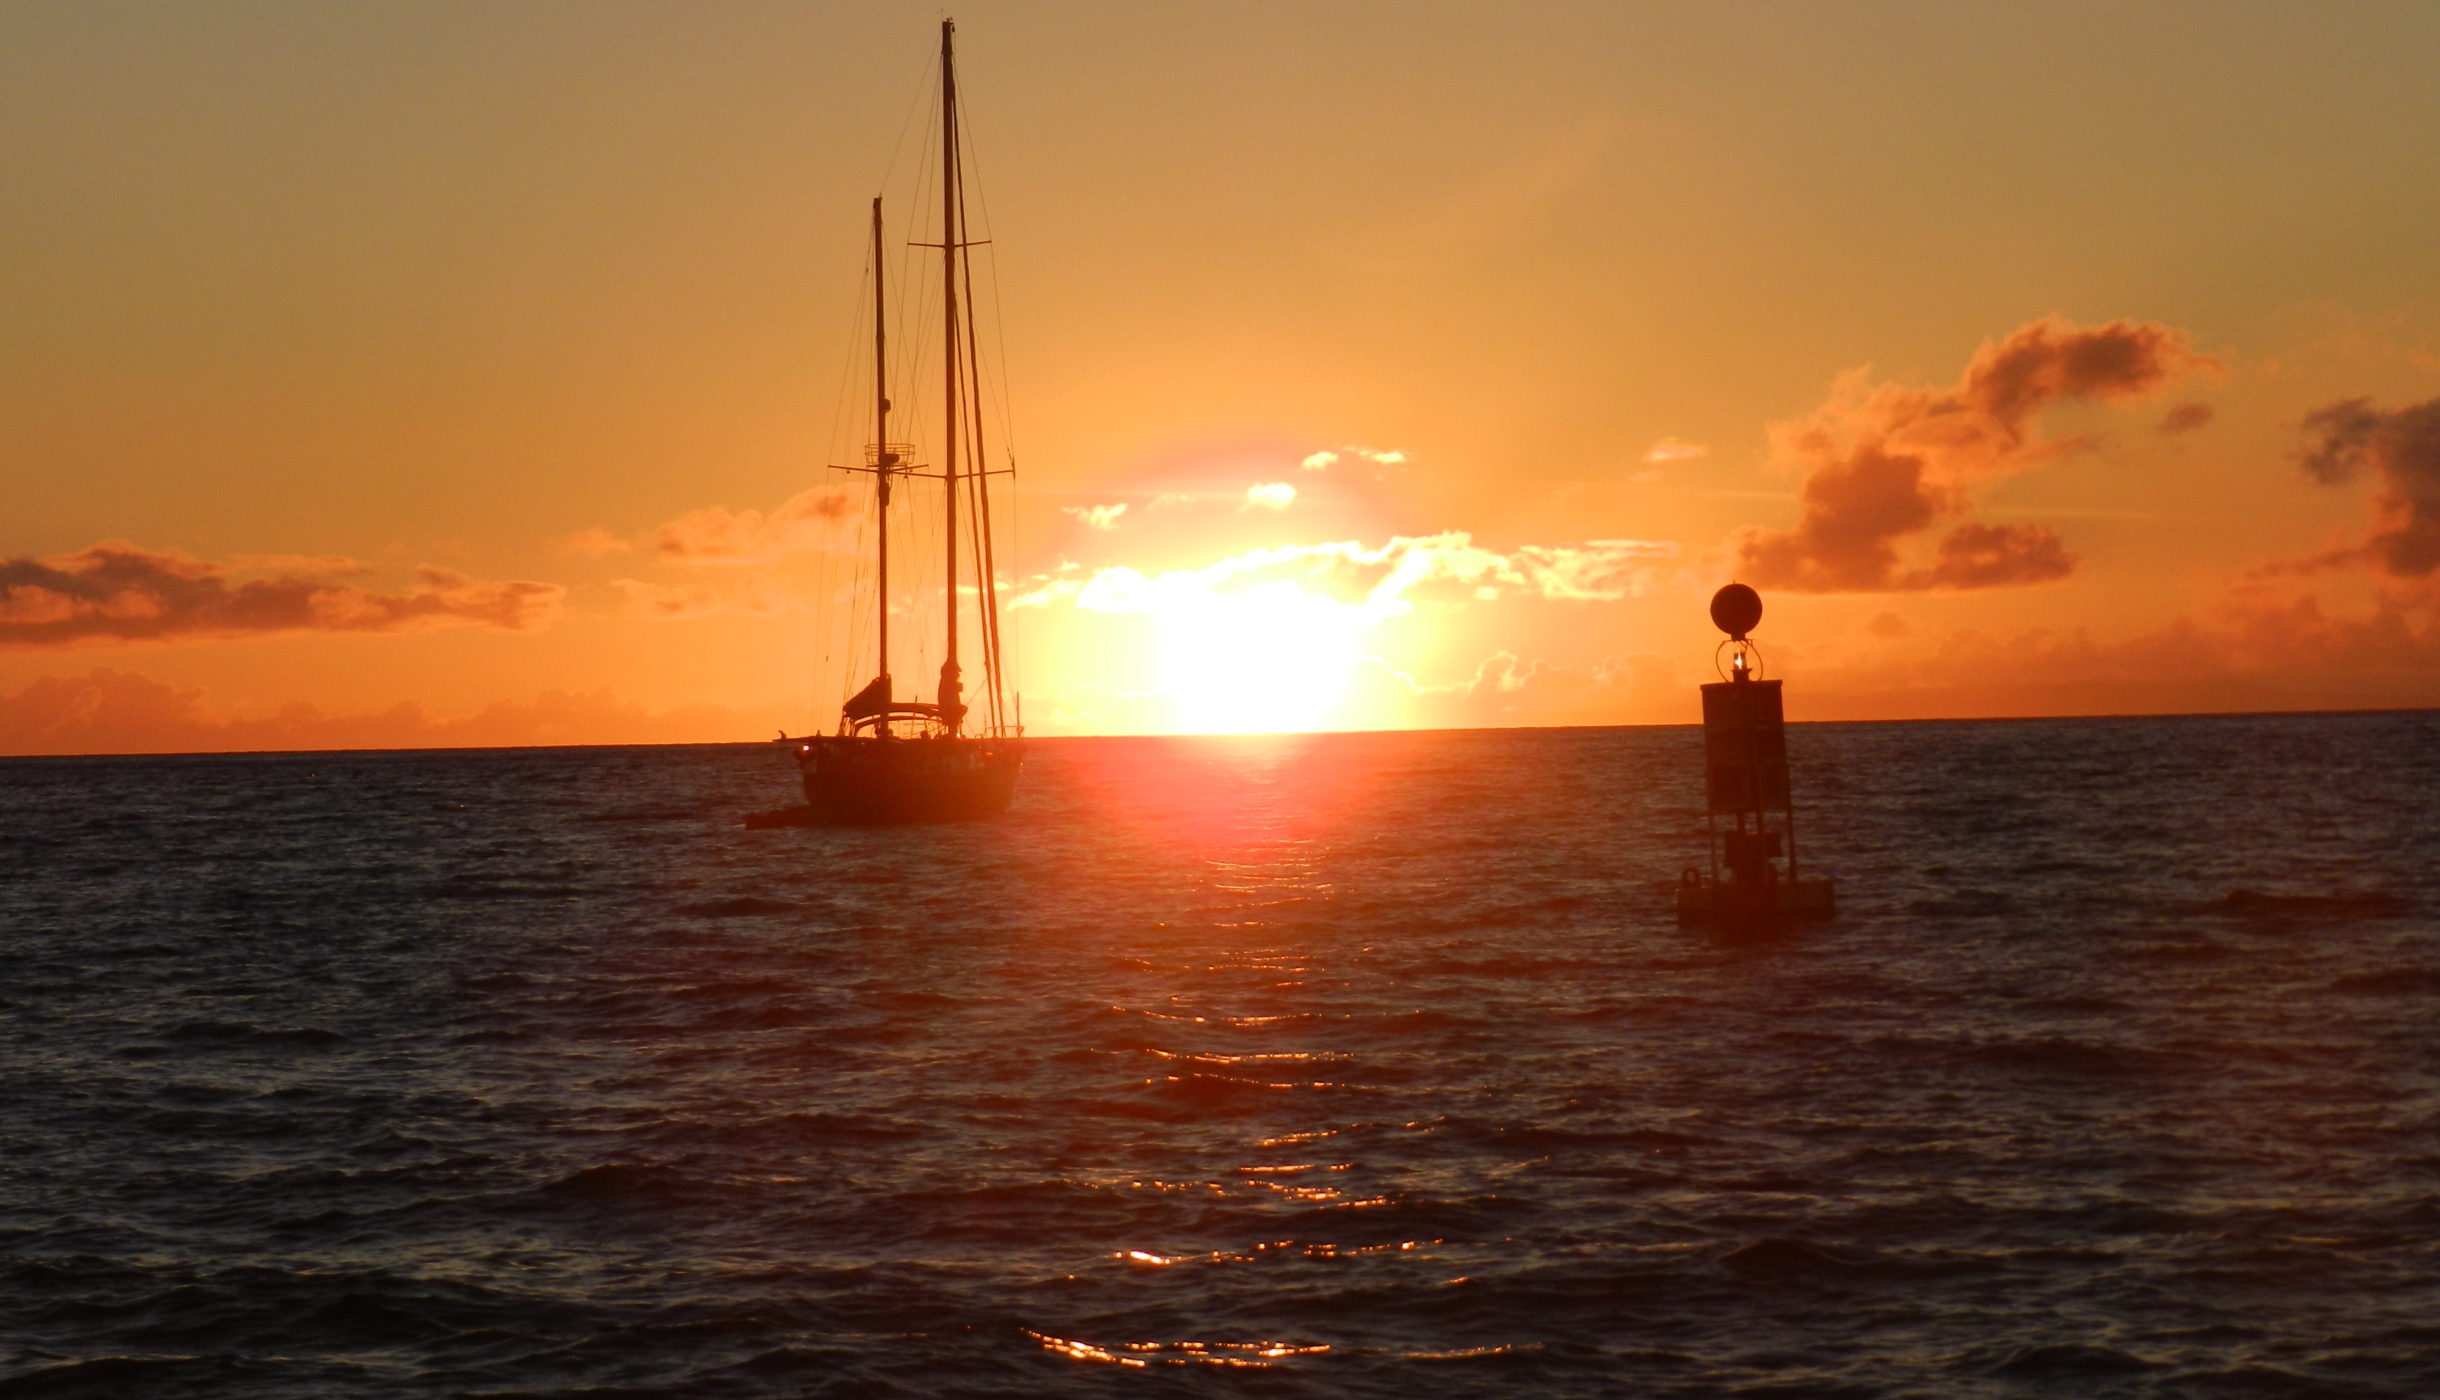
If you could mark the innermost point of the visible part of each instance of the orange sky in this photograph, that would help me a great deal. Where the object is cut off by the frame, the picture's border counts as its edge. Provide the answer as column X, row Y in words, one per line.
column 457, row 374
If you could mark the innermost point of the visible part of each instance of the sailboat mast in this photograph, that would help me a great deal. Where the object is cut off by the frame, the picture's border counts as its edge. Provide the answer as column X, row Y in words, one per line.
column 951, row 197
column 882, row 460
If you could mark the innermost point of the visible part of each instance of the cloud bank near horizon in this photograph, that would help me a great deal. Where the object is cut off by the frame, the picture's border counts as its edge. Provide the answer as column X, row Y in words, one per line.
column 111, row 711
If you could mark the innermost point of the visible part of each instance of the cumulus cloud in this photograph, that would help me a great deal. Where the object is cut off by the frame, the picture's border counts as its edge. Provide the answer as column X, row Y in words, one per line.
column 1978, row 555
column 1671, row 449
column 1270, row 495
column 2400, row 449
column 1097, row 517
column 123, row 591
column 805, row 522
column 1883, row 463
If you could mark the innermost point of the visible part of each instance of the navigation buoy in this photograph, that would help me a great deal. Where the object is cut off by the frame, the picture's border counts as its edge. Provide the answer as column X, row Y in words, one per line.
column 1745, row 783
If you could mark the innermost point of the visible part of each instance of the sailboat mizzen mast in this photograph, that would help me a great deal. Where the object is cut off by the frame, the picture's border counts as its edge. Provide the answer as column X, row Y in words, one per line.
column 883, row 459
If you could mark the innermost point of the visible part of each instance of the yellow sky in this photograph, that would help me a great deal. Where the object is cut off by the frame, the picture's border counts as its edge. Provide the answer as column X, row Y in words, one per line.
column 394, row 342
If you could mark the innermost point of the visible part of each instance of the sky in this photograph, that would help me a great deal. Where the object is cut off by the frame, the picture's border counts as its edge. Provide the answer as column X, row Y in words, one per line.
column 403, row 374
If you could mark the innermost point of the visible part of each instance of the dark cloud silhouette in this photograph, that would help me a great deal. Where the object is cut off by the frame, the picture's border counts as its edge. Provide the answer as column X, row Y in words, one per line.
column 2402, row 450
column 1883, row 463
column 119, row 590
column 2185, row 418
column 1976, row 555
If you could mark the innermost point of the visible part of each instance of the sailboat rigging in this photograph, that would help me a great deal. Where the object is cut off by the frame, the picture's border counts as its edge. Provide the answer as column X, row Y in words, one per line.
column 897, row 760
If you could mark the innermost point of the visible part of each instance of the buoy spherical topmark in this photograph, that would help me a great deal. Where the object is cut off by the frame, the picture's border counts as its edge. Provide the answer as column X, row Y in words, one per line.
column 1735, row 610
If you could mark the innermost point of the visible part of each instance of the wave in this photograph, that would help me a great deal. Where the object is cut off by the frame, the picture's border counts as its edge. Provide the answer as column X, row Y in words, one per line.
column 737, row 908
column 2310, row 908
column 241, row 1033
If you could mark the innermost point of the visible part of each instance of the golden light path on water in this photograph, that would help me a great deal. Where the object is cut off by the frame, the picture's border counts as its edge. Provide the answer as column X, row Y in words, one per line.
column 1262, row 863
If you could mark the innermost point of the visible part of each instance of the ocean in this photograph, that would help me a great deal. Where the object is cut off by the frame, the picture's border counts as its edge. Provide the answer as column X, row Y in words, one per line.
column 1342, row 1065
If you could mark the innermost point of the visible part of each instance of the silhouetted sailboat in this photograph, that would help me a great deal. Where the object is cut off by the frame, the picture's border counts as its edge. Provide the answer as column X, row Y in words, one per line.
column 908, row 760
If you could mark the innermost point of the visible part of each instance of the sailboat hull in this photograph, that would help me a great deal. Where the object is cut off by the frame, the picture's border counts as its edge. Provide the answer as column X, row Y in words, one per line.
column 866, row 781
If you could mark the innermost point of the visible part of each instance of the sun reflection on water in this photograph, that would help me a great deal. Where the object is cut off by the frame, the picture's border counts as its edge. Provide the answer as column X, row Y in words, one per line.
column 1140, row 1355
column 1274, row 1249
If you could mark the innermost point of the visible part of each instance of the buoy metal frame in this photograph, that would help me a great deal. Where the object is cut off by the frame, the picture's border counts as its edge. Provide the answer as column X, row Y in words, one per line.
column 1746, row 780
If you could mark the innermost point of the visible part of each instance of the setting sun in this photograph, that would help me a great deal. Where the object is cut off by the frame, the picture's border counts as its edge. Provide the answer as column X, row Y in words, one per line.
column 1271, row 658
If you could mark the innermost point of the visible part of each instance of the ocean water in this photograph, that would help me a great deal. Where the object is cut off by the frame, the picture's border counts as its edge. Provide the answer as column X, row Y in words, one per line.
column 1356, row 1065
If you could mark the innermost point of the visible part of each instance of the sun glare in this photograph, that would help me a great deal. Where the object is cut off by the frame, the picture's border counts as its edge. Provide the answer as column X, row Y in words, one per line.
column 1264, row 660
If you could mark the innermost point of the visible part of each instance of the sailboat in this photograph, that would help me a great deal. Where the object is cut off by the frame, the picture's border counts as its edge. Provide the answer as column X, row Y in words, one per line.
column 893, row 759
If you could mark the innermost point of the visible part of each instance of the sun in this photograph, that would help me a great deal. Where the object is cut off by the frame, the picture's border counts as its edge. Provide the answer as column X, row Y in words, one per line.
column 1267, row 659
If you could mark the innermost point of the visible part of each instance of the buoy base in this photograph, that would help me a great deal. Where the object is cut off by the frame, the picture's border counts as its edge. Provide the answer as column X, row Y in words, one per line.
column 1760, row 902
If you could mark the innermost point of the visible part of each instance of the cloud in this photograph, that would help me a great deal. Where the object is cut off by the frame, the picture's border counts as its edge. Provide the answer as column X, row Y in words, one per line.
column 2260, row 648
column 1270, row 495
column 1097, row 517
column 2185, row 418
column 1379, row 457
column 1505, row 689
column 671, row 602
column 1671, row 449
column 752, row 593
column 1976, row 555
column 1382, row 582
column 123, row 591
column 2401, row 449
column 591, row 543
column 1885, row 462
column 107, row 711
column 807, row 521
column 325, row 565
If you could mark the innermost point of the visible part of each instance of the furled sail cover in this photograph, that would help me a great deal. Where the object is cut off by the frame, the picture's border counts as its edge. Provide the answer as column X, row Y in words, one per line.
column 874, row 699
